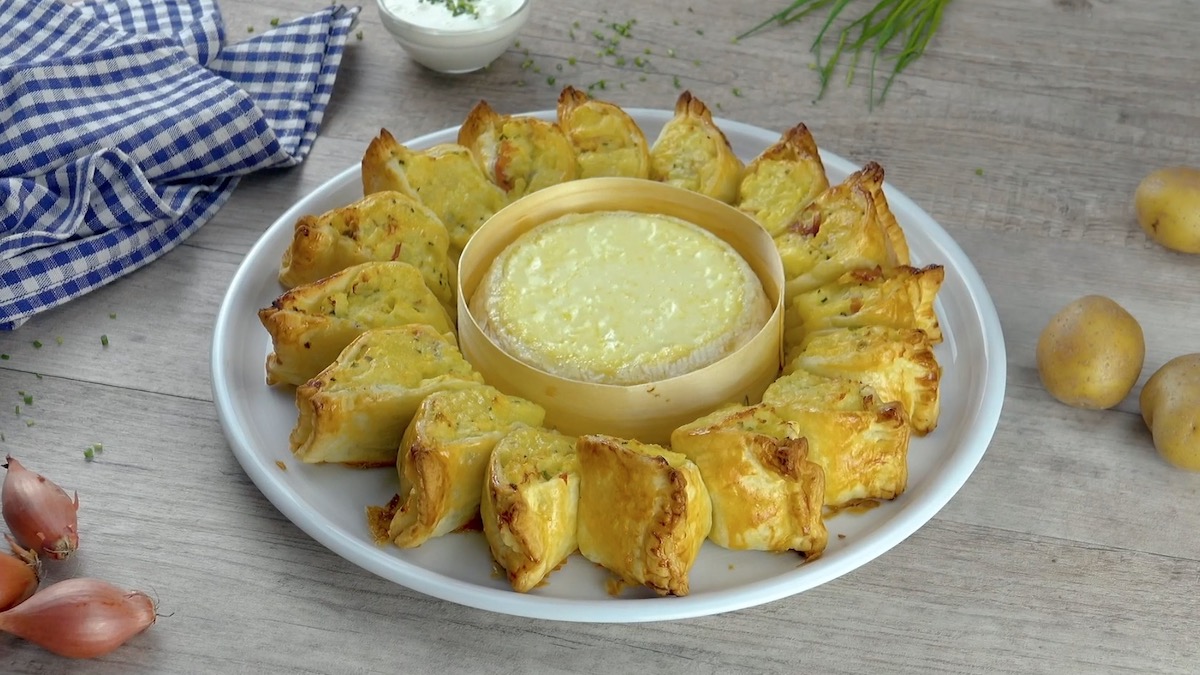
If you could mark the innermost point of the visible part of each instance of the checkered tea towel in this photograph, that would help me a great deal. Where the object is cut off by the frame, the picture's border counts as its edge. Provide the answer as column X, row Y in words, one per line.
column 126, row 124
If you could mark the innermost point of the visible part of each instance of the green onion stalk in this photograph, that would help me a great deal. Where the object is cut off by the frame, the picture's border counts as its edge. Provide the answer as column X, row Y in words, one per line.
column 909, row 23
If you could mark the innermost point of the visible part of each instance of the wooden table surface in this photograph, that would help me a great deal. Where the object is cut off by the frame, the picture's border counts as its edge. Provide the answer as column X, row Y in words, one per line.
column 1024, row 131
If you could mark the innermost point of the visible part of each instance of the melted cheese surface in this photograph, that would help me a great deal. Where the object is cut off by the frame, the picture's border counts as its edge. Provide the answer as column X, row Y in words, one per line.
column 622, row 298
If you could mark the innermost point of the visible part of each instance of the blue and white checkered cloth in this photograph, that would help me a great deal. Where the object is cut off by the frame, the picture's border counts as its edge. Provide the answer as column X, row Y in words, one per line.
column 126, row 124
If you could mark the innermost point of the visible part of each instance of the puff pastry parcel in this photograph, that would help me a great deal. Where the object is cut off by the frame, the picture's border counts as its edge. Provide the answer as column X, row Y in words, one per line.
column 444, row 178
column 859, row 440
column 691, row 152
column 607, row 141
column 766, row 494
column 381, row 226
column 520, row 154
column 356, row 410
column 311, row 324
column 530, row 504
column 897, row 297
column 643, row 511
column 871, row 178
column 838, row 232
column 444, row 455
column 898, row 363
column 782, row 180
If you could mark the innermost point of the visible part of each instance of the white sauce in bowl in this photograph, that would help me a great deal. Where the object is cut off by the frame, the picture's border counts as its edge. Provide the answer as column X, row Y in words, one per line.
column 453, row 15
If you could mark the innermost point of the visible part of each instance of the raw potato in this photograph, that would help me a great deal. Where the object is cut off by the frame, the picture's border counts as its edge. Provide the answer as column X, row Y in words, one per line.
column 1091, row 353
column 1168, row 207
column 1171, row 407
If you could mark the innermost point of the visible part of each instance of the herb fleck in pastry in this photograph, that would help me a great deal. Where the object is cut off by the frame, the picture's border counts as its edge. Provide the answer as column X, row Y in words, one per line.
column 520, row 154
column 766, row 493
column 531, row 504
column 782, row 180
column 643, row 511
column 444, row 455
column 898, row 363
column 692, row 153
column 444, row 178
column 381, row 226
column 607, row 141
column 311, row 324
column 356, row 410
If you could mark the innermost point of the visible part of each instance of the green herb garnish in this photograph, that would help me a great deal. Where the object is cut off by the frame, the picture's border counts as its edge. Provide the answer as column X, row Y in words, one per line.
column 676, row 82
column 978, row 172
column 28, row 398
column 4, row 357
column 92, row 450
column 274, row 22
column 104, row 340
column 912, row 22
column 457, row 7
column 37, row 344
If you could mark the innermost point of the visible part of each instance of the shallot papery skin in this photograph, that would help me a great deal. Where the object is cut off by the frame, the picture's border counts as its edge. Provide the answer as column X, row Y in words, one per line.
column 80, row 618
column 19, row 575
column 40, row 514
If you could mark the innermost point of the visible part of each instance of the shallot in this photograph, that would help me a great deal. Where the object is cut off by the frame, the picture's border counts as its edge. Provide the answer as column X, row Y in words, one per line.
column 19, row 575
column 80, row 618
column 39, row 513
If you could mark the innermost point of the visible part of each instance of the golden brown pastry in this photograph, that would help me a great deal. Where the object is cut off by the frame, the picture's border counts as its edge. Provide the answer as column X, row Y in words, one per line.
column 871, row 178
column 836, row 233
column 897, row 297
column 444, row 455
column 860, row 441
column 692, row 153
column 766, row 494
column 530, row 504
column 444, row 178
column 607, row 141
column 312, row 323
column 898, row 363
column 381, row 226
column 356, row 410
column 782, row 180
column 520, row 154
column 643, row 511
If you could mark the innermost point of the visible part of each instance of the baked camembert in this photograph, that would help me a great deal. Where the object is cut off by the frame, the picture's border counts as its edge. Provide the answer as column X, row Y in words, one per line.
column 622, row 298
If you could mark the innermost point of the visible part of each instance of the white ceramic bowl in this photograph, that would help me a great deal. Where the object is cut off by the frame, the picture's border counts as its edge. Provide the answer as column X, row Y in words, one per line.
column 455, row 50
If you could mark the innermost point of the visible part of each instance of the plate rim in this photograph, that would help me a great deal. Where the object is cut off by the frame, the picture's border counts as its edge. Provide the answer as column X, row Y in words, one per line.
column 948, row 478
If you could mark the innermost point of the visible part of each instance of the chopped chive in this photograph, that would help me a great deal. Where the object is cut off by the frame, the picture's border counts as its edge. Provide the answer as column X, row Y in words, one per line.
column 620, row 60
column 104, row 340
column 58, row 340
column 89, row 454
column 517, row 44
column 358, row 36
column 676, row 82
column 275, row 21
column 550, row 80
column 699, row 31
column 695, row 62
column 37, row 344
column 979, row 172
column 737, row 92
column 575, row 24
column 17, row 409
column 28, row 398
column 4, row 357
column 29, row 423
column 249, row 29
column 671, row 53
column 558, row 67
column 38, row 375
column 571, row 60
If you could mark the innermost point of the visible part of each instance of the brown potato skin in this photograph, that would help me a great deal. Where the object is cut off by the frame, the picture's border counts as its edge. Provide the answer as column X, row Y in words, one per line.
column 1168, row 207
column 1170, row 403
column 1091, row 353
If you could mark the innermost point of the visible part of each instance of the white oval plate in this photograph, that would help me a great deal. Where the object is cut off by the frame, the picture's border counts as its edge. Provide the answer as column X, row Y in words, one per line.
column 328, row 502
